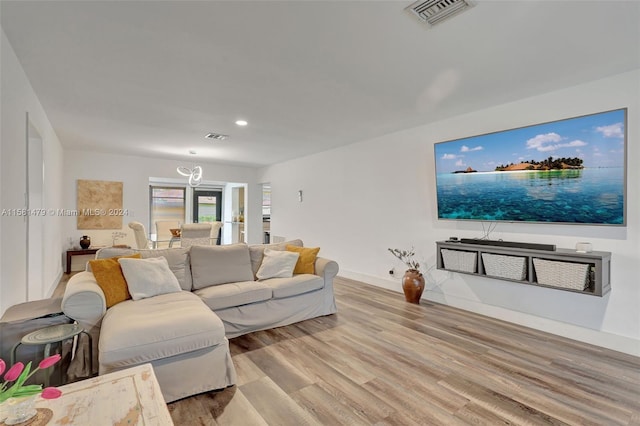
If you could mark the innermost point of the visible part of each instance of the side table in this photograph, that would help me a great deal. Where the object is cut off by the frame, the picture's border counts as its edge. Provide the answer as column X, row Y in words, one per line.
column 77, row 252
column 50, row 335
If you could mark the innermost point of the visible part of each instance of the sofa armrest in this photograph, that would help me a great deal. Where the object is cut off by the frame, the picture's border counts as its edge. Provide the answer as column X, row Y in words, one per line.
column 326, row 268
column 84, row 300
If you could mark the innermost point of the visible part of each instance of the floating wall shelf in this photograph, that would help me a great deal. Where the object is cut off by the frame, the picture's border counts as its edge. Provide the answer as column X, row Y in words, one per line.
column 563, row 269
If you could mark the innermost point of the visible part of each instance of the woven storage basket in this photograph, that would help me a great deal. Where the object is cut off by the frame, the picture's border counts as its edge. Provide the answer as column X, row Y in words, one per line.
column 561, row 274
column 457, row 260
column 510, row 267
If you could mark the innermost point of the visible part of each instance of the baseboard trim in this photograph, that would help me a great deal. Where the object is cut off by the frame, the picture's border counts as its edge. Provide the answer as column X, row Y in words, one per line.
column 594, row 337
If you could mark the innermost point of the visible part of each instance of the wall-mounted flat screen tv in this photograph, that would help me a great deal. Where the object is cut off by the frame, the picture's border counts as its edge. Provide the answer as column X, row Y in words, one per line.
column 570, row 171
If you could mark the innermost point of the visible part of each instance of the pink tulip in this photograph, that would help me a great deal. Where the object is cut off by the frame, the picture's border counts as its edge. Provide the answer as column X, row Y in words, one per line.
column 48, row 362
column 51, row 393
column 2, row 366
column 14, row 372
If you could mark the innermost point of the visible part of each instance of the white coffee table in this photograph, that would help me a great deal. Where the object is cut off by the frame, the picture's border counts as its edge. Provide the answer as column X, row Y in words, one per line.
column 126, row 397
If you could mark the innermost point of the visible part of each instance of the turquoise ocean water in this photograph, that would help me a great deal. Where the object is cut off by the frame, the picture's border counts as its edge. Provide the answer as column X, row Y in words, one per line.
column 593, row 196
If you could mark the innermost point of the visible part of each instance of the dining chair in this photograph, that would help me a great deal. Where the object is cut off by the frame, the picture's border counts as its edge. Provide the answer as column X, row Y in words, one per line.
column 195, row 234
column 142, row 242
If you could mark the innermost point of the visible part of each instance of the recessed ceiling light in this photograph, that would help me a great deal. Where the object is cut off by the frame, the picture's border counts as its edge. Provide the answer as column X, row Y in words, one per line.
column 216, row 136
column 241, row 122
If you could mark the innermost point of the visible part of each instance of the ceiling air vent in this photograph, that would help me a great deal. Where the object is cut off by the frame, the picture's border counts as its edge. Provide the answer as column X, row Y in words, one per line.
column 436, row 11
column 216, row 136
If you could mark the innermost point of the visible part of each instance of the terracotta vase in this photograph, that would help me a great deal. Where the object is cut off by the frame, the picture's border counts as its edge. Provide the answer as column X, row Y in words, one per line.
column 413, row 285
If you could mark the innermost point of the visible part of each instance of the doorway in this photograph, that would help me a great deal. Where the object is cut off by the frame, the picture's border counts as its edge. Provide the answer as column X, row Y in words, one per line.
column 266, row 213
column 207, row 206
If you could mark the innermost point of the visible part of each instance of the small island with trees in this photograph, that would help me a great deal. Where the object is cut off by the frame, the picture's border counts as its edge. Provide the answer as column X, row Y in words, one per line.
column 546, row 164
column 468, row 170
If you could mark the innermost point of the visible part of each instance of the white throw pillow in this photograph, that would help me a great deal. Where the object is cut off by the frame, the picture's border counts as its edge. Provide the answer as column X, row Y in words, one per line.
column 148, row 277
column 277, row 264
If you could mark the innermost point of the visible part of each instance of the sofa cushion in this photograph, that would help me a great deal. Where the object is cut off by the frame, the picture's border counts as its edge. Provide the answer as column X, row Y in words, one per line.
column 213, row 265
column 234, row 294
column 298, row 284
column 256, row 252
column 135, row 332
column 107, row 252
column 307, row 261
column 277, row 264
column 148, row 277
column 178, row 259
column 110, row 279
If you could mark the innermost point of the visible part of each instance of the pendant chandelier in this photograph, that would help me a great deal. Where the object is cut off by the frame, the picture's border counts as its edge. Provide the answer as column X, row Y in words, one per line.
column 194, row 175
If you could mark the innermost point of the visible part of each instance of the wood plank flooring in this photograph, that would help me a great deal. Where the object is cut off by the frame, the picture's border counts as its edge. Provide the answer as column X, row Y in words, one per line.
column 382, row 361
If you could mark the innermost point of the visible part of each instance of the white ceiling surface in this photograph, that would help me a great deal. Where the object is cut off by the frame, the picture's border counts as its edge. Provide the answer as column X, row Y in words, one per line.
column 152, row 78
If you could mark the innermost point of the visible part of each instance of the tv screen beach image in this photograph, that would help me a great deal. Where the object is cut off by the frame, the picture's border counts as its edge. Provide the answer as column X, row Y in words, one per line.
column 566, row 171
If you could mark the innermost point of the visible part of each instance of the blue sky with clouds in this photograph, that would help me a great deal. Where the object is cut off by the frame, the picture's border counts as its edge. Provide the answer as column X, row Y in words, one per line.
column 598, row 139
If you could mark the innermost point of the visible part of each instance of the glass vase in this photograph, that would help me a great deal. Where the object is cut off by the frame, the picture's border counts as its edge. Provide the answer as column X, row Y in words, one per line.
column 19, row 410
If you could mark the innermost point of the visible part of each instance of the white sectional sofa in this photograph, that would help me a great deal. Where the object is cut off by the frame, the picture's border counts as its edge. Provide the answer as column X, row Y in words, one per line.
column 184, row 334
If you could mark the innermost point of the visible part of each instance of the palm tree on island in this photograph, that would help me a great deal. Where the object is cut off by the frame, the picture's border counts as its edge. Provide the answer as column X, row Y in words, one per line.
column 546, row 164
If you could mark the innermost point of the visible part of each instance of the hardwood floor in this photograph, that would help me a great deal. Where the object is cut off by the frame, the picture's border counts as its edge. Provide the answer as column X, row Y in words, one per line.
column 382, row 361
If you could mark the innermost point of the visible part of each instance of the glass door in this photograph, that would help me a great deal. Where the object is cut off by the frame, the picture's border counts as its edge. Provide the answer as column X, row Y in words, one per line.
column 207, row 206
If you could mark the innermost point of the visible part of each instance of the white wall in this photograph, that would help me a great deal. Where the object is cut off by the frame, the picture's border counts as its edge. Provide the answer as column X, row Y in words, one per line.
column 134, row 172
column 361, row 199
column 358, row 201
column 18, row 99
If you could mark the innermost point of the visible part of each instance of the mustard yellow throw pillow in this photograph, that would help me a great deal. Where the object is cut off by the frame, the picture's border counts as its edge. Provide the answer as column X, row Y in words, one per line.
column 111, row 280
column 307, row 261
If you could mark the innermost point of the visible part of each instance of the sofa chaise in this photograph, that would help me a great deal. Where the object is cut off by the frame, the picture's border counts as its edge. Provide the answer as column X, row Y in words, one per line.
column 184, row 332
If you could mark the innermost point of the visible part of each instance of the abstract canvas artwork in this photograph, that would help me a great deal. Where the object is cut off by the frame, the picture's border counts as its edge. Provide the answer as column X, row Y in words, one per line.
column 99, row 204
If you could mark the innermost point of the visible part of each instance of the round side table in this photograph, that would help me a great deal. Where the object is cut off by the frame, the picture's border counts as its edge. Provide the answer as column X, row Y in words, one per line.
column 49, row 335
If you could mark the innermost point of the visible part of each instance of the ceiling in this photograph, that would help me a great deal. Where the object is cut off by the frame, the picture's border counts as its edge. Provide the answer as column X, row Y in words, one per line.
column 151, row 78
